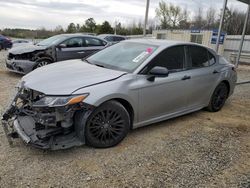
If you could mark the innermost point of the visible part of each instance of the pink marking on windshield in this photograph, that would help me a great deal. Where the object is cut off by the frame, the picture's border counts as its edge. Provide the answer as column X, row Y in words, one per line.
column 149, row 50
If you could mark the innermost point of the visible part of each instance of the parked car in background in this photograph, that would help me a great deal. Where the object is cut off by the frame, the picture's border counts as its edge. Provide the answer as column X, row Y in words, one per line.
column 112, row 39
column 24, row 59
column 5, row 42
column 128, row 85
column 20, row 42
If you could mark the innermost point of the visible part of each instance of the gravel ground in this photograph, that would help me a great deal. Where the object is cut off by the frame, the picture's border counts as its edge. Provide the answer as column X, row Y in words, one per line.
column 201, row 149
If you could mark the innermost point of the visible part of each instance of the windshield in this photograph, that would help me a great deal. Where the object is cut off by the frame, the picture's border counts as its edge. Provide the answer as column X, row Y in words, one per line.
column 124, row 56
column 51, row 40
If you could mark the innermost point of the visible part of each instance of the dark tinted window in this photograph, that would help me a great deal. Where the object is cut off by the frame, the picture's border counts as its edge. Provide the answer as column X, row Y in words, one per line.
column 198, row 56
column 74, row 42
column 109, row 38
column 93, row 42
column 119, row 39
column 173, row 59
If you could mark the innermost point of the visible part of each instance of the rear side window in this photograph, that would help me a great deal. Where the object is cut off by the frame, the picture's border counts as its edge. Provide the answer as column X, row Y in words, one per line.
column 198, row 57
column 109, row 38
column 93, row 42
column 74, row 42
column 119, row 39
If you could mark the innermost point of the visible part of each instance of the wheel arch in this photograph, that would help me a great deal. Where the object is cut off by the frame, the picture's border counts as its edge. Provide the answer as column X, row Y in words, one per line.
column 128, row 107
column 125, row 103
column 42, row 58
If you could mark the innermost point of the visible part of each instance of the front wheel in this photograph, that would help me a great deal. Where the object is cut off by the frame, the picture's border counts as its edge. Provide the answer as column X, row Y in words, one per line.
column 107, row 126
column 218, row 98
column 42, row 62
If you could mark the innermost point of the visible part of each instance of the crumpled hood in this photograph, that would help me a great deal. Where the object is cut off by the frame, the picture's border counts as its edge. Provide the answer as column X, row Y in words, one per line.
column 63, row 78
column 26, row 49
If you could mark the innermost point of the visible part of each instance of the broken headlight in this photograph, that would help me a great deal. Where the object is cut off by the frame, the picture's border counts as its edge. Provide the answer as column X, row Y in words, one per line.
column 57, row 101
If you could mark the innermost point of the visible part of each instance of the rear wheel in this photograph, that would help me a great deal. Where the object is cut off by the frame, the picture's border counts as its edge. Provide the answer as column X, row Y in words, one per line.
column 107, row 125
column 218, row 98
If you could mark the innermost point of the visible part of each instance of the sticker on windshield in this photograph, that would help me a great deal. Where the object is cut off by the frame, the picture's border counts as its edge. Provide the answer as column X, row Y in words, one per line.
column 140, row 57
column 149, row 50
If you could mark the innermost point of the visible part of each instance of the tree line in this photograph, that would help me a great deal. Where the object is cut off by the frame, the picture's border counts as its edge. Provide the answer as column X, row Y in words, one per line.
column 169, row 16
column 174, row 17
column 89, row 26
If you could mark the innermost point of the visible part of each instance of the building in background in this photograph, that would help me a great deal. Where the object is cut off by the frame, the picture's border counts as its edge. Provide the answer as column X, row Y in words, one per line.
column 205, row 37
column 229, row 44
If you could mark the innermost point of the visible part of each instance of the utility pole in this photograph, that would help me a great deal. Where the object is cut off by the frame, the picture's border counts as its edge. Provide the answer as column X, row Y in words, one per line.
column 221, row 24
column 146, row 19
column 243, row 36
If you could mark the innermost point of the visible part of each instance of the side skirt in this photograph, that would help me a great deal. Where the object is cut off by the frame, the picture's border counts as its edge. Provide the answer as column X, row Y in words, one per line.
column 166, row 117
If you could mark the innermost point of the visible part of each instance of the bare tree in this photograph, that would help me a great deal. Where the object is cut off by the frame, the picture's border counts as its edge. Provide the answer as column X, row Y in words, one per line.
column 235, row 22
column 199, row 22
column 185, row 23
column 169, row 15
column 210, row 18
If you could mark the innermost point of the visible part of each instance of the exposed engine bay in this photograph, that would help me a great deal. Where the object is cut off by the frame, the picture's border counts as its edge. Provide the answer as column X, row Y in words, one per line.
column 44, row 127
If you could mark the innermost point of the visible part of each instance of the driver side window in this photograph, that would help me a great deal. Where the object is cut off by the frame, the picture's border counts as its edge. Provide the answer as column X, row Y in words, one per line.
column 172, row 58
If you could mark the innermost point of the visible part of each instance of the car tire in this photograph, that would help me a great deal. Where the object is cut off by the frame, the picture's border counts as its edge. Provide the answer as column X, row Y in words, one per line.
column 106, row 126
column 42, row 62
column 218, row 98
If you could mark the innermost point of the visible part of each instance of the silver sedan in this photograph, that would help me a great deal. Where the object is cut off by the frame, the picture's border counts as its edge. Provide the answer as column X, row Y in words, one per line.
column 134, row 83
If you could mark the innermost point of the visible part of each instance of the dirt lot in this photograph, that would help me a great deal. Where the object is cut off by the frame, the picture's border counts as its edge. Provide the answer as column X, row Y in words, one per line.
column 201, row 149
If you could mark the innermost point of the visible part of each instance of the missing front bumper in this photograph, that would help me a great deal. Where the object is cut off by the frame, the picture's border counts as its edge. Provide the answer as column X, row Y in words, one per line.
column 45, row 128
column 25, row 127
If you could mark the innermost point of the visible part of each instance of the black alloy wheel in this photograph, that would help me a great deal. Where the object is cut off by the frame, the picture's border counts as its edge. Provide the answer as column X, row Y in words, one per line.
column 219, row 98
column 107, row 125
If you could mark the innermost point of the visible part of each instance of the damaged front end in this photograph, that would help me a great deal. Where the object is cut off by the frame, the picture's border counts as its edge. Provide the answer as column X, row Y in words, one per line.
column 24, row 60
column 46, row 122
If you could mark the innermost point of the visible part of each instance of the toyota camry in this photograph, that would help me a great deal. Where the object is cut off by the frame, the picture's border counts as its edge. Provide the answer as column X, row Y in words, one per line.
column 97, row 100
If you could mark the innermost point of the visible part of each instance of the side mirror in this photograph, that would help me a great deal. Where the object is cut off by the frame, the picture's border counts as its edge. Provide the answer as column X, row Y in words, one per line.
column 62, row 46
column 158, row 72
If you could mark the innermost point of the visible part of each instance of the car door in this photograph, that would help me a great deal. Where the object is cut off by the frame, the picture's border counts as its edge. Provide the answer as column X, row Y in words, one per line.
column 203, row 73
column 165, row 95
column 93, row 45
column 72, row 48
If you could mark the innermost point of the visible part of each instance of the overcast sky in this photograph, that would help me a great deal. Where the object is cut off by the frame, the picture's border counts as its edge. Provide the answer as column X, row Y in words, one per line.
column 50, row 13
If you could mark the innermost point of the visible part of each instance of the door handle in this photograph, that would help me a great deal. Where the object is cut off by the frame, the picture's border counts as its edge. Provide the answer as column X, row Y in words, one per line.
column 215, row 72
column 186, row 77
column 81, row 52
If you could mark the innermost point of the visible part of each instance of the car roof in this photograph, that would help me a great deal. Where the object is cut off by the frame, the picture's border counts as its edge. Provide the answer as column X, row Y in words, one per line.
column 106, row 35
column 76, row 35
column 159, row 42
column 165, row 43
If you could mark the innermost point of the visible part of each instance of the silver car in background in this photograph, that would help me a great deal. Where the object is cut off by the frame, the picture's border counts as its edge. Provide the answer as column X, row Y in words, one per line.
column 128, row 85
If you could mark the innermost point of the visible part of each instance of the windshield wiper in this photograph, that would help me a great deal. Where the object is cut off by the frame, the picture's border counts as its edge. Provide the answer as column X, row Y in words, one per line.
column 99, row 65
column 86, row 61
column 93, row 63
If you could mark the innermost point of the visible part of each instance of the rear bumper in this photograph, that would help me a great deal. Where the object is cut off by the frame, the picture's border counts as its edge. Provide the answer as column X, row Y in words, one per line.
column 26, row 129
column 20, row 66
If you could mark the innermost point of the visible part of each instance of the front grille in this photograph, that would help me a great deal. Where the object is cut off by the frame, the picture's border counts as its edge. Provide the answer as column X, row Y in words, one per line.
column 25, row 56
column 10, row 56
